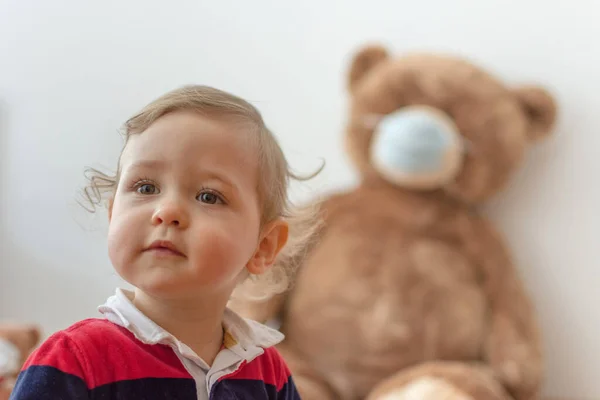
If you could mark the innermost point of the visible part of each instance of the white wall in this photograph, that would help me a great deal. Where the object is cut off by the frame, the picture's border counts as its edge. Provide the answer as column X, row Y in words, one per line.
column 71, row 72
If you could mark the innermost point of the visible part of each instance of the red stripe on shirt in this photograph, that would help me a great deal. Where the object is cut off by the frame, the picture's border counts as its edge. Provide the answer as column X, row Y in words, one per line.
column 60, row 352
column 101, row 352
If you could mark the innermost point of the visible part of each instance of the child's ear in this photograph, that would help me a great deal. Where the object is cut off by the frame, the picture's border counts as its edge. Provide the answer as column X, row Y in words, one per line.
column 274, row 237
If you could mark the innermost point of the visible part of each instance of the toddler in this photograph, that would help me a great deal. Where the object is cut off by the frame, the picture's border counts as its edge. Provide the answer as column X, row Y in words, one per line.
column 198, row 208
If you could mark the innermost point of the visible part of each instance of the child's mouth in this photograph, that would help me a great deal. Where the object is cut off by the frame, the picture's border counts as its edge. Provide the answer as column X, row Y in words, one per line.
column 164, row 248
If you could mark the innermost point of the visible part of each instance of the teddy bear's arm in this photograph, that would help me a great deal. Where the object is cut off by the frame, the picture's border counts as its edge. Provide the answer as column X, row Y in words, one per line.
column 513, row 344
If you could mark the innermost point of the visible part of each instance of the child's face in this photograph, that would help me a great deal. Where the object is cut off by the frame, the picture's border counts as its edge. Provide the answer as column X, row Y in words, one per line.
column 190, row 181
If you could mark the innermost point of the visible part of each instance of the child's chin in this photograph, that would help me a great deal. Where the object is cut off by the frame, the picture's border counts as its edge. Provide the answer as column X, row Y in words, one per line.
column 163, row 289
column 169, row 289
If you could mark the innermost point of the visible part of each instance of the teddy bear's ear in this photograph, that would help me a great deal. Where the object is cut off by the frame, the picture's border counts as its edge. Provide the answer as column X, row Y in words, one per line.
column 363, row 61
column 540, row 107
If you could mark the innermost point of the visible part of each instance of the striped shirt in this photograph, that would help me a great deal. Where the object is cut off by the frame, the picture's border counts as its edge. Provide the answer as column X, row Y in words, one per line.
column 125, row 355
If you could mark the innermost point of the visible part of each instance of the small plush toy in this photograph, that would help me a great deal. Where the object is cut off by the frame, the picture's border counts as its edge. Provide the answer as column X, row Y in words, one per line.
column 16, row 343
column 410, row 292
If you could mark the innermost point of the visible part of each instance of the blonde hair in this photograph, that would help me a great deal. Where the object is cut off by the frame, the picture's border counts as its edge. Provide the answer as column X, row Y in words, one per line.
column 274, row 172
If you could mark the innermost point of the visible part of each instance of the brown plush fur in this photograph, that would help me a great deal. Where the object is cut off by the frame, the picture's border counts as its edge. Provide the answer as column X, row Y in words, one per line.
column 414, row 290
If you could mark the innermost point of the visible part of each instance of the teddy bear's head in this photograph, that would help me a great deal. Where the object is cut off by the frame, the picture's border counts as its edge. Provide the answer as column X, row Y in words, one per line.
column 432, row 122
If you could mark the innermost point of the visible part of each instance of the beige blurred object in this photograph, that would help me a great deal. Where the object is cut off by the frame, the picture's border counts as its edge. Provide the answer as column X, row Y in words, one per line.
column 411, row 293
column 17, row 341
column 6, row 386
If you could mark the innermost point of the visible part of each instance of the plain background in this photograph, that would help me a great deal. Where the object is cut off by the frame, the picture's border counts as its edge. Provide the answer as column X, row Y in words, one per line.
column 72, row 71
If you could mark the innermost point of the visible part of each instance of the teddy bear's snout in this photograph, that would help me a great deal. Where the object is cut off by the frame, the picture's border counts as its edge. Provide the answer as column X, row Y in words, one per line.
column 417, row 147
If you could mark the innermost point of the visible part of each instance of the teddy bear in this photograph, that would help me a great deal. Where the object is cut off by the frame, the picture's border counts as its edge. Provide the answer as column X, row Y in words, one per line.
column 410, row 292
column 17, row 341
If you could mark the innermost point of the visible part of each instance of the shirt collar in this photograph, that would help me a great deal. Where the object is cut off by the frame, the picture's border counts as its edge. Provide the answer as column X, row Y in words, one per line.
column 244, row 337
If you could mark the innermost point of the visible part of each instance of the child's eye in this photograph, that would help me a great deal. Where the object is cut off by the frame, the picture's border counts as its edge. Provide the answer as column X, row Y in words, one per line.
column 209, row 198
column 147, row 188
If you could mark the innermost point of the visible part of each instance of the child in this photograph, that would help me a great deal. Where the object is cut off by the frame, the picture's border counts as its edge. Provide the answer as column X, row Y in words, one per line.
column 198, row 205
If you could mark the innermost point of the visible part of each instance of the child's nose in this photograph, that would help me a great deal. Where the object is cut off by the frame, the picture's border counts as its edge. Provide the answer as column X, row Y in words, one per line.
column 170, row 213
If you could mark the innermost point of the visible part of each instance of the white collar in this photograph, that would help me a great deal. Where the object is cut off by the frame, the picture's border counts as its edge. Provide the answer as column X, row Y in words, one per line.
column 244, row 337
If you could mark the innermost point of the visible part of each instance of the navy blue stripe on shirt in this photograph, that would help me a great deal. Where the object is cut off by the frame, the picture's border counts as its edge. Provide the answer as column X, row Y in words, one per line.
column 253, row 389
column 288, row 391
column 52, row 384
column 147, row 389
column 48, row 383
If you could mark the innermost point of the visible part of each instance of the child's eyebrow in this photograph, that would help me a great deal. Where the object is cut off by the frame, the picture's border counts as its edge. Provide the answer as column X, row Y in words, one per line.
column 219, row 176
column 146, row 164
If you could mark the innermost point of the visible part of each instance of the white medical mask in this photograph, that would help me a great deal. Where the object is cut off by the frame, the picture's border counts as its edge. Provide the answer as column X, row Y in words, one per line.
column 417, row 147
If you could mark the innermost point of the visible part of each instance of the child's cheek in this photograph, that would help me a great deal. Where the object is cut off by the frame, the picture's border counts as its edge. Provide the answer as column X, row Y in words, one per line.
column 221, row 254
column 126, row 237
